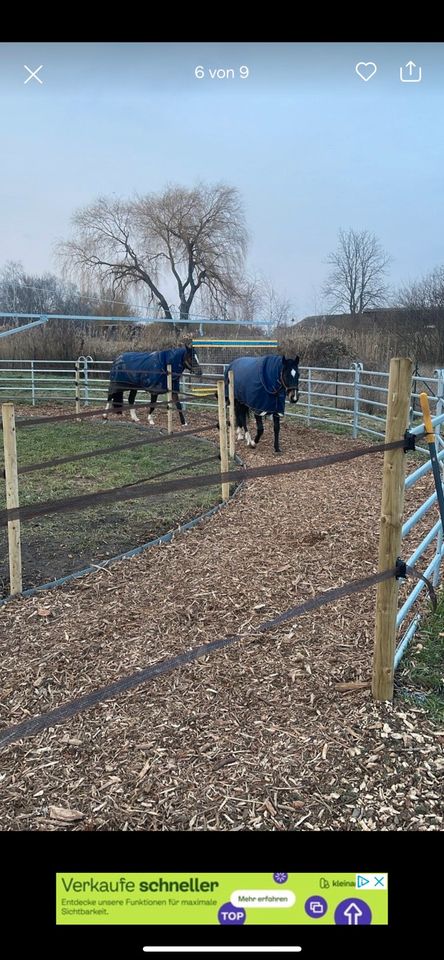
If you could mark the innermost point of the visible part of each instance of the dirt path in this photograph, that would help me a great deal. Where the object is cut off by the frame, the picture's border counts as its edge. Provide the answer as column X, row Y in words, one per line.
column 254, row 737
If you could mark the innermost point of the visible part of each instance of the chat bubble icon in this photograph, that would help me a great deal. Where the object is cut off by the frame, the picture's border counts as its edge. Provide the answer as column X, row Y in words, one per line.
column 263, row 899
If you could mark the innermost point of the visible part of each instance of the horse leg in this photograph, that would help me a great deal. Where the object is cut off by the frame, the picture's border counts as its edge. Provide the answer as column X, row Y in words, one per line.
column 259, row 428
column 131, row 401
column 229, row 413
column 239, row 420
column 108, row 404
column 179, row 408
column 115, row 397
column 248, row 438
column 152, row 408
column 276, row 428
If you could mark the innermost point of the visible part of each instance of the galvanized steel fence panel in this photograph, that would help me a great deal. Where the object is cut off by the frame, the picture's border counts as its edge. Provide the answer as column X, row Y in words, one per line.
column 352, row 399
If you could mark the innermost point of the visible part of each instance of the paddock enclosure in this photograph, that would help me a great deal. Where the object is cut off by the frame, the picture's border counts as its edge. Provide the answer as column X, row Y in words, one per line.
column 275, row 732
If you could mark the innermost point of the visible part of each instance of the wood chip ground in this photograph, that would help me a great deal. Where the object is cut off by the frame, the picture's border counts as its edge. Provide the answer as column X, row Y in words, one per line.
column 277, row 732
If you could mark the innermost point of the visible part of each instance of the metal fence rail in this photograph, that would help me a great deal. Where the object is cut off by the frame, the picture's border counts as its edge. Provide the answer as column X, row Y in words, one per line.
column 433, row 535
column 352, row 399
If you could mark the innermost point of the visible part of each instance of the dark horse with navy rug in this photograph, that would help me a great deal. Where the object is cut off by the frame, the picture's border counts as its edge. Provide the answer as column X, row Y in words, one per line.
column 148, row 371
column 261, row 384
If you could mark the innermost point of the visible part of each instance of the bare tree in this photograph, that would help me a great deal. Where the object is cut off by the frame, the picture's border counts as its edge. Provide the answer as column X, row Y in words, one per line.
column 22, row 292
column 420, row 319
column 243, row 305
column 424, row 295
column 357, row 278
column 255, row 298
column 181, row 239
column 278, row 310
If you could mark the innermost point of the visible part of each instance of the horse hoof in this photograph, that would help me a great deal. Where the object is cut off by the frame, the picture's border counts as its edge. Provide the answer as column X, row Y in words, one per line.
column 277, row 452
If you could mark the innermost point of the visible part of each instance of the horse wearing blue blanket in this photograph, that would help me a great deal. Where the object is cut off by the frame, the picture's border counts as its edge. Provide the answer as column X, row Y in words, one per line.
column 262, row 384
column 148, row 371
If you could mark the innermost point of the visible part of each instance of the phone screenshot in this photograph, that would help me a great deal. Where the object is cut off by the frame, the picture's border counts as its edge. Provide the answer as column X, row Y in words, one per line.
column 221, row 502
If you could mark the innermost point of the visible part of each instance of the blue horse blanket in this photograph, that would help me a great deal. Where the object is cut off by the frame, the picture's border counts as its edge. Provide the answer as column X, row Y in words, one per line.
column 257, row 383
column 148, row 371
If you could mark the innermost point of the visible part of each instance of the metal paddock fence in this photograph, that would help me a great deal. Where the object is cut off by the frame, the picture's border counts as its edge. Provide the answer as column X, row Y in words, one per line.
column 351, row 399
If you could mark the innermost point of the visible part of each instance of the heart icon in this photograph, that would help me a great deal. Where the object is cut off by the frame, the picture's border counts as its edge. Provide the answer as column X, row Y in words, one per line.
column 366, row 70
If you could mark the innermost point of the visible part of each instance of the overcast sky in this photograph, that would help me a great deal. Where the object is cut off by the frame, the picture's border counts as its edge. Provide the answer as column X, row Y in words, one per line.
column 310, row 146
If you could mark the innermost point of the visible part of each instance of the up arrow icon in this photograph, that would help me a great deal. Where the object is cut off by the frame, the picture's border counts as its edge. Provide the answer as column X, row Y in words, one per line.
column 353, row 912
column 409, row 77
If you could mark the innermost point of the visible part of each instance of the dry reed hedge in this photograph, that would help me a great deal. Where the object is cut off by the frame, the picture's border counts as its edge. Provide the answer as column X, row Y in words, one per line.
column 320, row 346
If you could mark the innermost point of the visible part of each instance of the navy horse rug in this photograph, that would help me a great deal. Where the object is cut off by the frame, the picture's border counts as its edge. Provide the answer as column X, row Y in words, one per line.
column 148, row 371
column 258, row 383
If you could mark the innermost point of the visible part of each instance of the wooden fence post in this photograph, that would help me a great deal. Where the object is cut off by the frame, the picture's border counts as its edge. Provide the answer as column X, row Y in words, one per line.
column 12, row 497
column 223, row 436
column 232, row 416
column 392, row 504
column 170, row 398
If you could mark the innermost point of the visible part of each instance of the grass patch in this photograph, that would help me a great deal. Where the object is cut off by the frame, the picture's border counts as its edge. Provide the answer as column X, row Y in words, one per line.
column 56, row 545
column 423, row 665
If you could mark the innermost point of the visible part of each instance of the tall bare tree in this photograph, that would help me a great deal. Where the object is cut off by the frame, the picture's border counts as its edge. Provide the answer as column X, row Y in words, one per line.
column 359, row 268
column 181, row 239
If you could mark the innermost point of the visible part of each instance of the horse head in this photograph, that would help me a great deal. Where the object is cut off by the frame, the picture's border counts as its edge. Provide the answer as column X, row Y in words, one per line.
column 191, row 361
column 290, row 378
